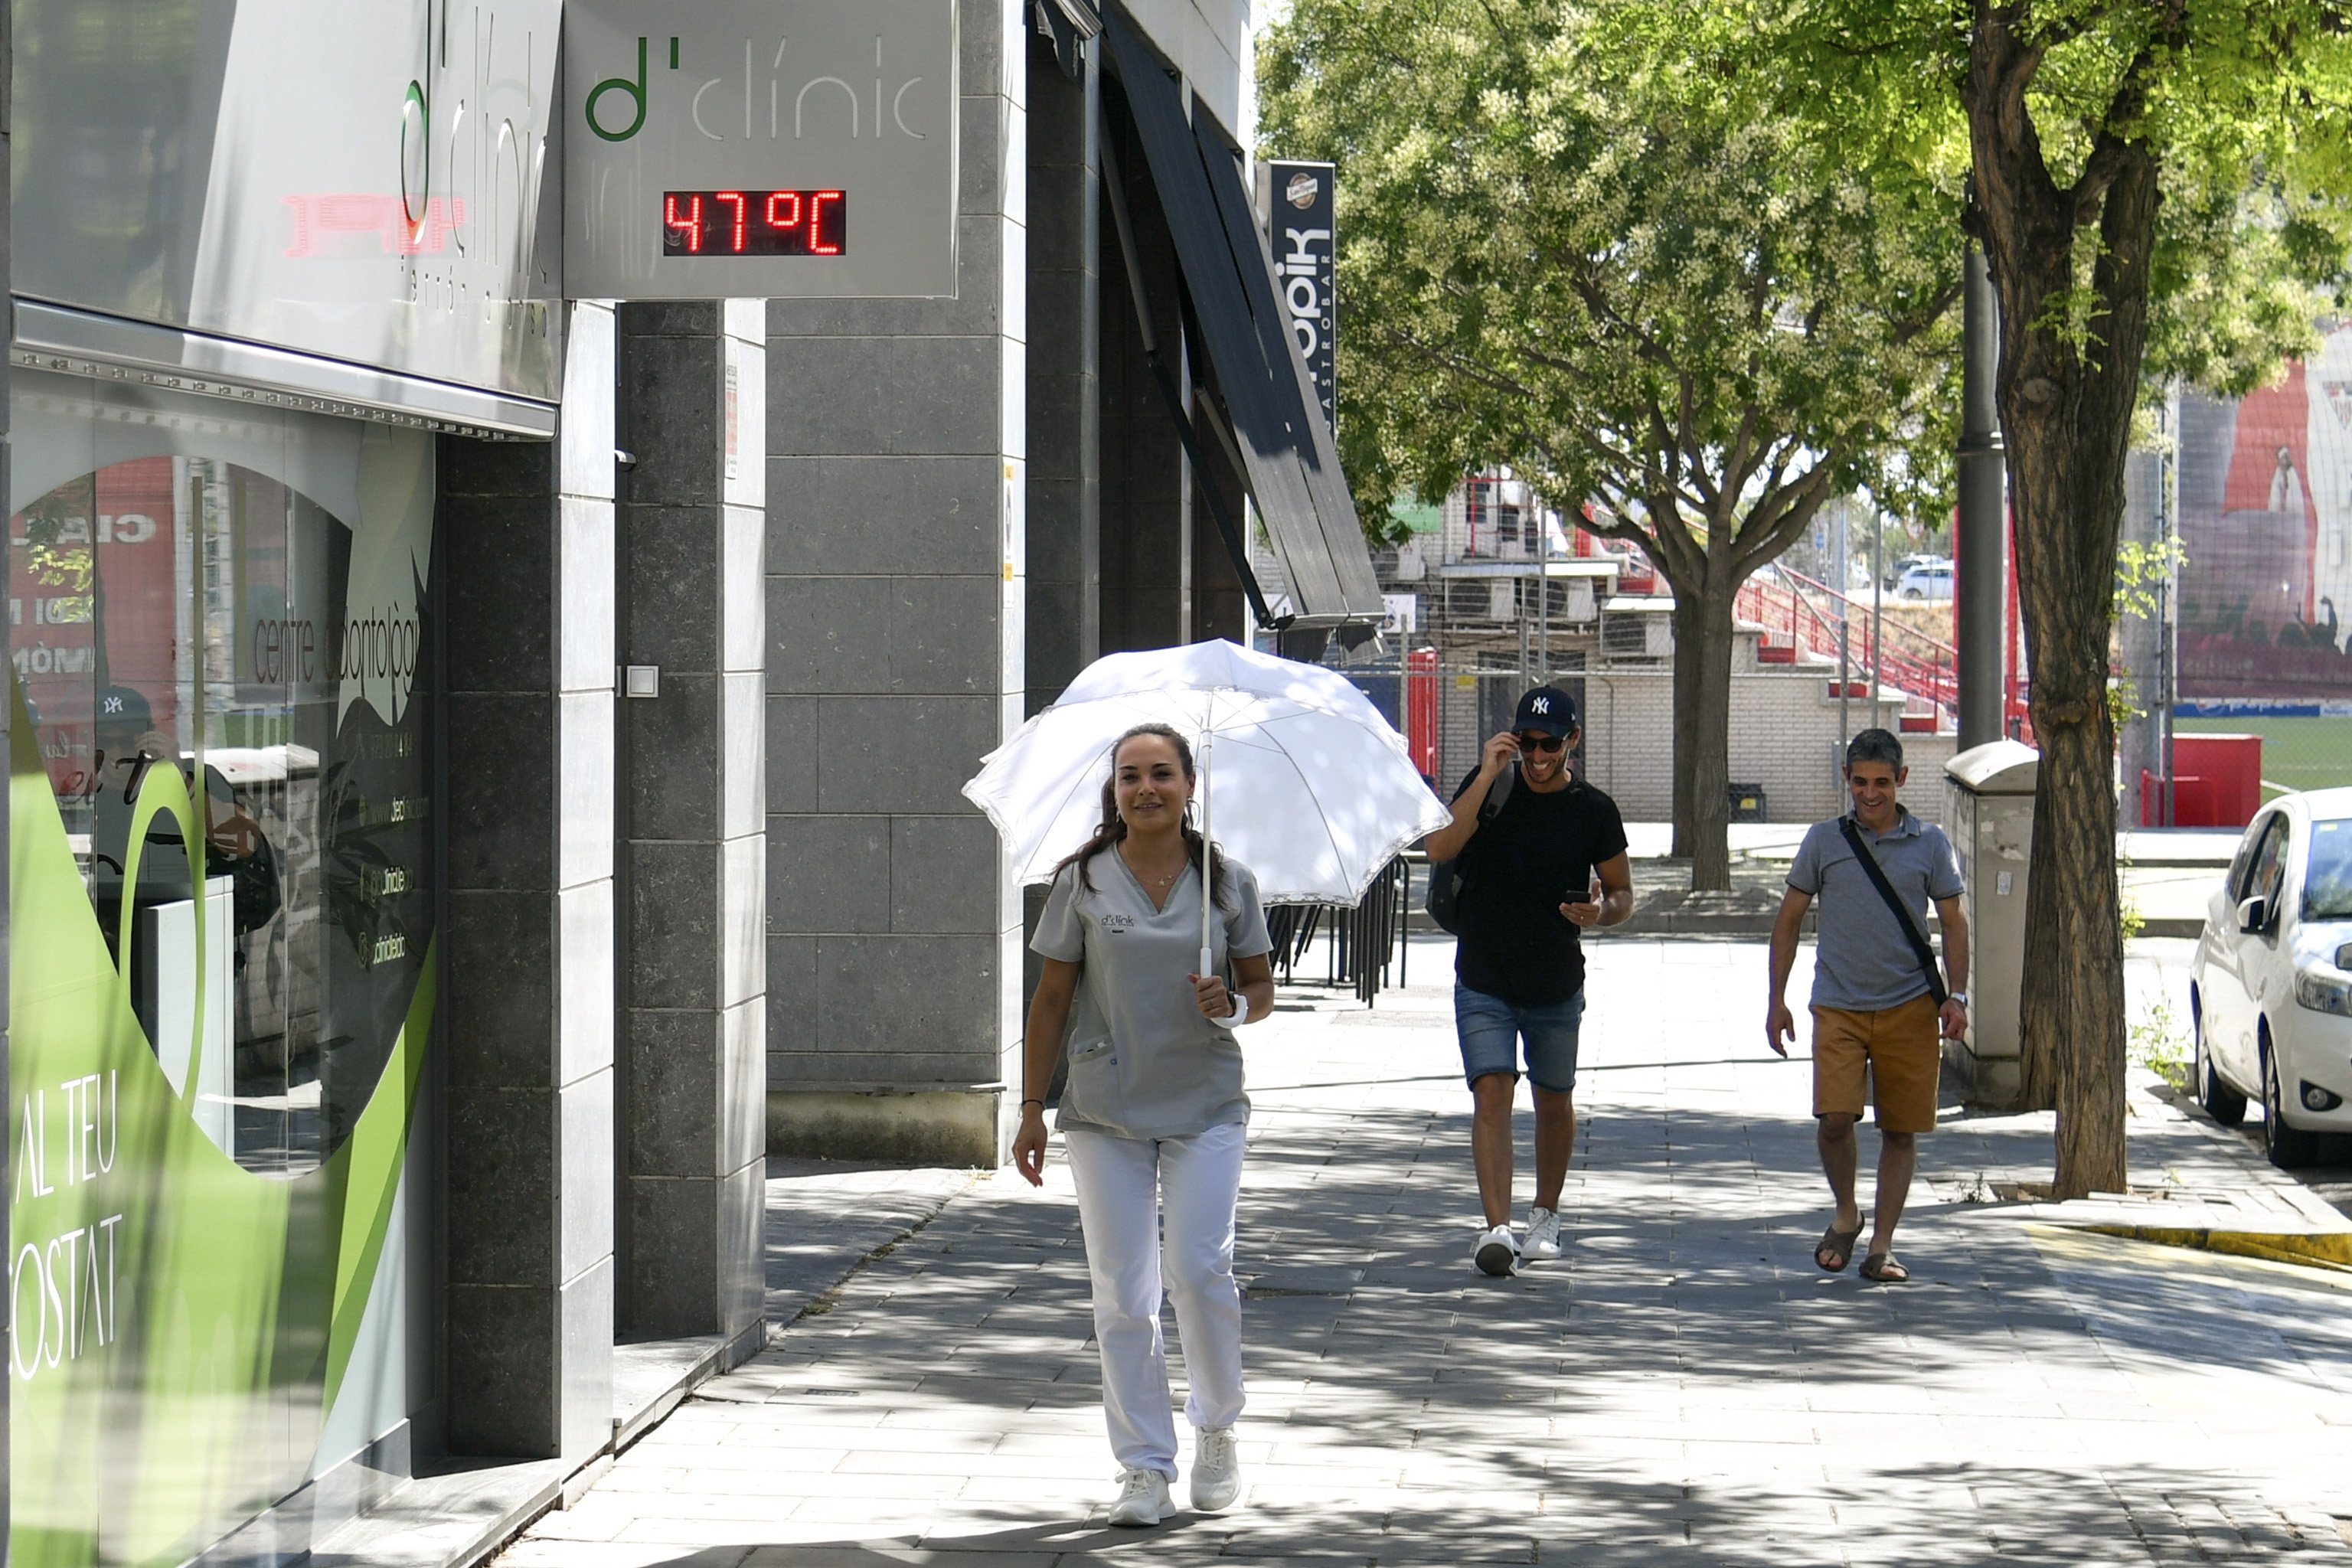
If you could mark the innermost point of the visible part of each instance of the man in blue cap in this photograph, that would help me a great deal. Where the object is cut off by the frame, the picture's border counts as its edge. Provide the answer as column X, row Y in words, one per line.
column 1546, row 864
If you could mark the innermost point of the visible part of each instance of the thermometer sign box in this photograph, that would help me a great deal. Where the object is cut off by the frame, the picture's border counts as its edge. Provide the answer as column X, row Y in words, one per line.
column 718, row 149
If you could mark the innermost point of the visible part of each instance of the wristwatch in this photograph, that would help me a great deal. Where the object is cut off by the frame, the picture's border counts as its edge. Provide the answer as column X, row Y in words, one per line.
column 1959, row 996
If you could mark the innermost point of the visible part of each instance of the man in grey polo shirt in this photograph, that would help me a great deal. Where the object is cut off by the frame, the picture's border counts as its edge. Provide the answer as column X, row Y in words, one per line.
column 1874, row 1003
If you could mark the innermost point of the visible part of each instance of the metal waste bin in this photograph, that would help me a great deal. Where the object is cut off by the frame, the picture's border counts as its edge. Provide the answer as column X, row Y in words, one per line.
column 1989, row 812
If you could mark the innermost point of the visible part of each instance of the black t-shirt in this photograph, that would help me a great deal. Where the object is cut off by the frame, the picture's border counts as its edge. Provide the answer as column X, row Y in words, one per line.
column 1538, row 854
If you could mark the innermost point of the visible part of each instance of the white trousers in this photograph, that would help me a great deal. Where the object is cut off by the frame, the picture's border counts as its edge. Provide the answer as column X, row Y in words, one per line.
column 1160, row 1210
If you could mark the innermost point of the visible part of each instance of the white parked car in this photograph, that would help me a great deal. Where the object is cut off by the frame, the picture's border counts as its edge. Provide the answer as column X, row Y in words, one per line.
column 2270, row 993
column 1924, row 580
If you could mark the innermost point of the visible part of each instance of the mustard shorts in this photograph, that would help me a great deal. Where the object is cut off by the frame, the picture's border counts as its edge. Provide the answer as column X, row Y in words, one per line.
column 1903, row 1048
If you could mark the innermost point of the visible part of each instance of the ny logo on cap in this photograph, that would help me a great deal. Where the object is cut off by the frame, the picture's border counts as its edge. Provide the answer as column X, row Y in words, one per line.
column 114, row 705
column 1541, row 705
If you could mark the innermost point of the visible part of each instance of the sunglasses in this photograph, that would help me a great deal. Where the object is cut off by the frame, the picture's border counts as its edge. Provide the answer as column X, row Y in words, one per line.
column 1540, row 743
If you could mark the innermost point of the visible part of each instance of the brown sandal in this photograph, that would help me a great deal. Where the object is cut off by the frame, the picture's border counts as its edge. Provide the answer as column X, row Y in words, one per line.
column 1840, row 1242
column 1880, row 1267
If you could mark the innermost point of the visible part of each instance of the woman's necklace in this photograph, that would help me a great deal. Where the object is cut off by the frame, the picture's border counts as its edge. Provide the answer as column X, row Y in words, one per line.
column 1157, row 884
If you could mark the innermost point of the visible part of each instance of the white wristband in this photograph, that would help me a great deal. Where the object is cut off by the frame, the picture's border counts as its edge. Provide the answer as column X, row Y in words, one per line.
column 1240, row 1013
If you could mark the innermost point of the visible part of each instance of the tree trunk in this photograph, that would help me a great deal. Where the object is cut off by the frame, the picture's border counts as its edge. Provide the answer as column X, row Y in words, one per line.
column 1706, row 768
column 2066, row 402
column 1688, row 636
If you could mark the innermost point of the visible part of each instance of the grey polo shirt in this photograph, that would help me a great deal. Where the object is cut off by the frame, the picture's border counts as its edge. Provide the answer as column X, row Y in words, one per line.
column 1143, row 1062
column 1863, row 963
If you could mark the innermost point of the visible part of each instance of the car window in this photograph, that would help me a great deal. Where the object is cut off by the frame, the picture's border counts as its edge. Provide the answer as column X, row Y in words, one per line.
column 2262, row 874
column 2238, row 862
column 2327, row 875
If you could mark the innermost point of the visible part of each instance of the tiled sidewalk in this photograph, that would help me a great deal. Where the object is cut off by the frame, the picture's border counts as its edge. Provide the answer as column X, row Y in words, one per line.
column 1684, row 1387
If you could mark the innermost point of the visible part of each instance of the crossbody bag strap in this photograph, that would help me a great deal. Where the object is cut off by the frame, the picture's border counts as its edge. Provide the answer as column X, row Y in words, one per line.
column 1911, row 932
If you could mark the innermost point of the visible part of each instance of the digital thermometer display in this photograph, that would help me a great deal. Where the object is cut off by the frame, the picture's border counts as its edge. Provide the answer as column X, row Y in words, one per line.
column 755, row 223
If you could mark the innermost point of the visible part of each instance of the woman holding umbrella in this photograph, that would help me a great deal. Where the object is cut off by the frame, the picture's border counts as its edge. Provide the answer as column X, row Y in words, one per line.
column 1153, row 1111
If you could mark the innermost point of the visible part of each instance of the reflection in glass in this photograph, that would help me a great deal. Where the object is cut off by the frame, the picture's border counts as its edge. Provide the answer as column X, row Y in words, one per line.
column 190, row 613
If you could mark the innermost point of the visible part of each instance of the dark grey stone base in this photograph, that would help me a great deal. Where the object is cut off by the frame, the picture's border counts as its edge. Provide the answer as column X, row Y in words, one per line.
column 917, row 1127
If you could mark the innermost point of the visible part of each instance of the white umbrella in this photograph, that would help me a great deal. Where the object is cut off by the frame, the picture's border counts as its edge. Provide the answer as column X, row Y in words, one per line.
column 1315, row 792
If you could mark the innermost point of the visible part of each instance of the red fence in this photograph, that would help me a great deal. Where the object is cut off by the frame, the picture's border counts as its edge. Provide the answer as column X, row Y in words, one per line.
column 1798, row 613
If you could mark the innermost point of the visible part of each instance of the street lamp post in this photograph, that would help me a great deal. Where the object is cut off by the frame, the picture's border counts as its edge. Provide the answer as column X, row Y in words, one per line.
column 1981, row 572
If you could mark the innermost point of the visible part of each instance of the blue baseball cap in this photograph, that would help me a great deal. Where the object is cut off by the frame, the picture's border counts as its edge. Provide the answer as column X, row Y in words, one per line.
column 1548, row 710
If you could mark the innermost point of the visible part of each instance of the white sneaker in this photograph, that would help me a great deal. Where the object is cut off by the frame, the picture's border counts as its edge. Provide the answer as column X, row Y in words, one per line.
column 1543, row 1236
column 1499, row 1251
column 1216, row 1470
column 1142, row 1499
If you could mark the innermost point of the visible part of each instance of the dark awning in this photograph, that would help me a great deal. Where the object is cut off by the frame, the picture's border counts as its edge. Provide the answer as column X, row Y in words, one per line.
column 1292, row 468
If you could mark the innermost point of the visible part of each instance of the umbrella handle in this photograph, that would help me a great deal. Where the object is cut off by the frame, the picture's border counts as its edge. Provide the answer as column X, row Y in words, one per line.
column 1208, row 851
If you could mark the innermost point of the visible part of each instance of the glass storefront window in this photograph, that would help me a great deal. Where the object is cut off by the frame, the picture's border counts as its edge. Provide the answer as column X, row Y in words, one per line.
column 194, row 609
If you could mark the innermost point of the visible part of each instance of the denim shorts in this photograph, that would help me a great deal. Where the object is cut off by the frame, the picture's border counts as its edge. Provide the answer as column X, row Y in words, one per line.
column 1490, row 1030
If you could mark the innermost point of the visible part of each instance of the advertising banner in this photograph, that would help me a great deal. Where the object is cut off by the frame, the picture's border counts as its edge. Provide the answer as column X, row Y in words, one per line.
column 1301, row 203
column 2265, row 486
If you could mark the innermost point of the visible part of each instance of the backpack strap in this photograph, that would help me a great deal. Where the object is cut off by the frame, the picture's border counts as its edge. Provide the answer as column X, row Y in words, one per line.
column 1911, row 932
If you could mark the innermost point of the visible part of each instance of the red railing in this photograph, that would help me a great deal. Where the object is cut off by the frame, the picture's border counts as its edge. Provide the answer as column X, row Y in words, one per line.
column 1796, row 611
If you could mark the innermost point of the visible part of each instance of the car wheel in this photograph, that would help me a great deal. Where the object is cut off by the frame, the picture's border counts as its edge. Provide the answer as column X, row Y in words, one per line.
column 2223, row 1103
column 2289, row 1148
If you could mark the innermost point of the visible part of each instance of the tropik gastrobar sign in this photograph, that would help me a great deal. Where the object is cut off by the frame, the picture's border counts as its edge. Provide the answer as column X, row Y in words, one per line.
column 1299, row 202
column 753, row 149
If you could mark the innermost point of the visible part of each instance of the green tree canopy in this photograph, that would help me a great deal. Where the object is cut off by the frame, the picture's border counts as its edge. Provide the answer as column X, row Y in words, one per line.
column 2161, row 188
column 1586, row 240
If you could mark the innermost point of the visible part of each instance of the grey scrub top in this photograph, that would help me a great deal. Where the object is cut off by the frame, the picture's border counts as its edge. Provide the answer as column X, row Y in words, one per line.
column 1143, row 1062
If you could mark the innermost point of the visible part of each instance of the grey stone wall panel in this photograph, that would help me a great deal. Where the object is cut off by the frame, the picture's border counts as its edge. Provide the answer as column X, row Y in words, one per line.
column 792, row 993
column 917, row 635
column 742, row 955
column 851, row 517
column 975, row 309
column 672, row 558
column 584, row 787
column 910, row 993
column 865, row 396
column 583, row 918
column 500, row 1344
column 675, row 1104
column 673, row 783
column 791, row 752
column 584, row 1322
column 862, row 752
column 503, row 1179
column 586, row 635
column 943, row 874
column 585, row 1108
column 828, row 874
column 502, row 779
column 742, row 1085
column 673, row 924
column 911, row 1070
column 496, row 545
column 680, row 377
column 743, row 761
column 493, row 938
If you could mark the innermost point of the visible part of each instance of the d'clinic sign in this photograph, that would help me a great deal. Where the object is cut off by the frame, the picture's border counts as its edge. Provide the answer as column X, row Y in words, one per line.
column 746, row 149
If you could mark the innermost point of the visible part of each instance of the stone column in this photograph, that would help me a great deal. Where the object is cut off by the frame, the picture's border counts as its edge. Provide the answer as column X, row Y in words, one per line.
column 897, row 435
column 527, row 531
column 694, row 797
